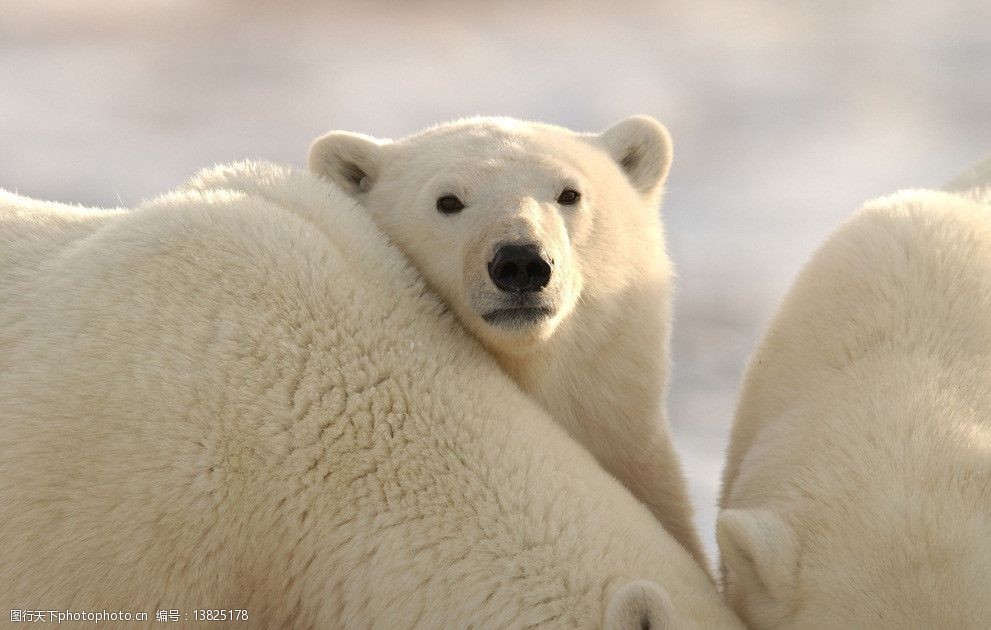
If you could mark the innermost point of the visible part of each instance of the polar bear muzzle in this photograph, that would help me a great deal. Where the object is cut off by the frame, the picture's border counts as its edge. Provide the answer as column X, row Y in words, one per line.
column 520, row 268
column 520, row 271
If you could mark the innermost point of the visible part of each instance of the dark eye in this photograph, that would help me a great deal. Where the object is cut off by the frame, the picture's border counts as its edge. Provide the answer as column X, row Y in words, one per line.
column 449, row 204
column 568, row 197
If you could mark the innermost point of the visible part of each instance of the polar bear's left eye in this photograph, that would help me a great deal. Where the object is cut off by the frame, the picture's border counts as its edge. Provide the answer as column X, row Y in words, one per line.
column 568, row 197
column 449, row 204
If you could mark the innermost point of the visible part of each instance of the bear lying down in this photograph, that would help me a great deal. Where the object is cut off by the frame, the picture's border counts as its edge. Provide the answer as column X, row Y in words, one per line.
column 857, row 491
column 240, row 395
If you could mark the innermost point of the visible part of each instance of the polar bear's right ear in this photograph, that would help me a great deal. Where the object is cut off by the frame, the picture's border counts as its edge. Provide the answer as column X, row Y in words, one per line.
column 642, row 148
column 642, row 604
column 762, row 553
column 352, row 160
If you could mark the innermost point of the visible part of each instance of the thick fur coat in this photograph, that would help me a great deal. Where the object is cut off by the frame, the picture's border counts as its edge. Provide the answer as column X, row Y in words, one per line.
column 857, row 491
column 240, row 395
column 597, row 356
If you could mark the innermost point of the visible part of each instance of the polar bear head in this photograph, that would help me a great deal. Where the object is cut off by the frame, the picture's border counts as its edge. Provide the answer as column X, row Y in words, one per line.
column 886, row 568
column 513, row 223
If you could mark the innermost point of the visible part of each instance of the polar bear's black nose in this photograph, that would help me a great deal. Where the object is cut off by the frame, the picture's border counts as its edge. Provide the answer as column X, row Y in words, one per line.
column 519, row 268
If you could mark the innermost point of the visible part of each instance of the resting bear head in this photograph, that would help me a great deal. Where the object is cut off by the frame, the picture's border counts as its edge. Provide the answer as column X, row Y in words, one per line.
column 883, row 568
column 513, row 223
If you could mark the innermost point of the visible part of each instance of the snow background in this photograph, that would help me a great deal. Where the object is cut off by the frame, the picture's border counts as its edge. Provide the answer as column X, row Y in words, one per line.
column 786, row 117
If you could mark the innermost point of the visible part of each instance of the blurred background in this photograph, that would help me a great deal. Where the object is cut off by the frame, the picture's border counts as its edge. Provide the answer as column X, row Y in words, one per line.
column 786, row 116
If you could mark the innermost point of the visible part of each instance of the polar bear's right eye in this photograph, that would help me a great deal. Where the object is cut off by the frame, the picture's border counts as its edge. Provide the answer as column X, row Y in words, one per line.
column 568, row 197
column 449, row 204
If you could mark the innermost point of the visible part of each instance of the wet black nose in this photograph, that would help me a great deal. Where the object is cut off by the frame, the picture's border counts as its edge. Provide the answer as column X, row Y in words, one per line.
column 519, row 268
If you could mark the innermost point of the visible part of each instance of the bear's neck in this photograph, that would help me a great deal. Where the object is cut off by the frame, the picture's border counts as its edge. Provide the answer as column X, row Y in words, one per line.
column 604, row 364
column 602, row 377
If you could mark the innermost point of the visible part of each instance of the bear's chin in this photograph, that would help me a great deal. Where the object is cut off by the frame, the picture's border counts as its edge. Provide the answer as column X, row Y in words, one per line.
column 515, row 331
column 518, row 318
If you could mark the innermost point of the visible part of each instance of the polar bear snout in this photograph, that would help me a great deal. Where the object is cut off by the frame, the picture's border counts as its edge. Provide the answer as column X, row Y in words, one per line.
column 520, row 268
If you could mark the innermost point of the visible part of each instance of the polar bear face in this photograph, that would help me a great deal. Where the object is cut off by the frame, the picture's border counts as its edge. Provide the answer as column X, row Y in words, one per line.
column 512, row 223
column 885, row 570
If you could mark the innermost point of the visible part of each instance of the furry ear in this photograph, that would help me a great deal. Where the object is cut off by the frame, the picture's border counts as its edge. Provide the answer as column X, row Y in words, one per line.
column 761, row 551
column 642, row 148
column 642, row 605
column 351, row 160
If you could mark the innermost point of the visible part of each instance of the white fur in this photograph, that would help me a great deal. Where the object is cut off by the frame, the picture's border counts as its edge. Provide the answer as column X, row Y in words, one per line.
column 857, row 491
column 599, row 362
column 239, row 395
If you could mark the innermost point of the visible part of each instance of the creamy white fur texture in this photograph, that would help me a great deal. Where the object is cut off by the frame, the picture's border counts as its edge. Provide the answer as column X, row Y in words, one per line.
column 599, row 362
column 857, row 491
column 241, row 395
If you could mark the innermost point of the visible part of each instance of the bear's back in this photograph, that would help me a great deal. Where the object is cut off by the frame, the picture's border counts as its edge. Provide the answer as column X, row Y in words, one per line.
column 241, row 393
column 906, row 281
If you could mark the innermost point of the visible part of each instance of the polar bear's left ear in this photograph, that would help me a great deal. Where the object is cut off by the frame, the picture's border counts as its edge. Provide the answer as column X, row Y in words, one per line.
column 642, row 148
column 762, row 553
column 352, row 160
column 642, row 604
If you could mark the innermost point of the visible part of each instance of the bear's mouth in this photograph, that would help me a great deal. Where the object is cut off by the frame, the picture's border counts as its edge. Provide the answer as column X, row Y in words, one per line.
column 517, row 317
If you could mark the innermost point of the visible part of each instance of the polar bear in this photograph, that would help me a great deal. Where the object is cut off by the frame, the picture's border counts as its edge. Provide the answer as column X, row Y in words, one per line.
column 548, row 245
column 240, row 396
column 857, row 491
